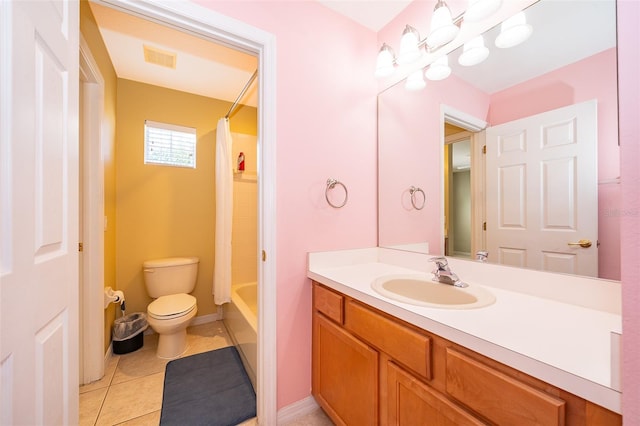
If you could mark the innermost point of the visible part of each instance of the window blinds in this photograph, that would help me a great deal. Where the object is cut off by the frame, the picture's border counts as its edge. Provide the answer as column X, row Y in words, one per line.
column 169, row 145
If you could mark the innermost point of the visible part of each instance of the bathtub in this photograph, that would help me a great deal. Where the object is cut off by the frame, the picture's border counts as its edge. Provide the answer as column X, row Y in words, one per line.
column 241, row 321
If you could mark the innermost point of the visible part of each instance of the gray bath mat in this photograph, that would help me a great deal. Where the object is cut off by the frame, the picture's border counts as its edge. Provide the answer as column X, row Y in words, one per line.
column 211, row 388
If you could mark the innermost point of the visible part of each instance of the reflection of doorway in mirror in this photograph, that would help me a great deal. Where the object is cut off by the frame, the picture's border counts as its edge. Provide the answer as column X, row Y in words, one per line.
column 542, row 191
column 457, row 193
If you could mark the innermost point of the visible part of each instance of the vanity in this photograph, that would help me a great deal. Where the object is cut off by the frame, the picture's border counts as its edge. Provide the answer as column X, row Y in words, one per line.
column 535, row 337
column 535, row 356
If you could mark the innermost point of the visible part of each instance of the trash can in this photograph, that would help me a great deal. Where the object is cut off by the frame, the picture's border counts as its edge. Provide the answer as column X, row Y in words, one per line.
column 128, row 333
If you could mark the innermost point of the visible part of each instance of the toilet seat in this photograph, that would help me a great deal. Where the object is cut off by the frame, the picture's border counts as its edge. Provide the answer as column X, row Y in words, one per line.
column 171, row 306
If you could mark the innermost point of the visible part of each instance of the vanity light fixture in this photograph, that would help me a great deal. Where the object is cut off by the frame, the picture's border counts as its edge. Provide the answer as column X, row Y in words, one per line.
column 473, row 52
column 443, row 30
column 513, row 31
column 439, row 69
column 481, row 9
column 410, row 50
column 415, row 81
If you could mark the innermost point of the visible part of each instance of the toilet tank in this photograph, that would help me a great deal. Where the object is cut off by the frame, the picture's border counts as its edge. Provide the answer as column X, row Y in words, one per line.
column 170, row 276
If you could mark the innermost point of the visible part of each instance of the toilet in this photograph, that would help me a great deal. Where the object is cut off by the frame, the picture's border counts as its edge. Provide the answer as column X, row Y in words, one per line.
column 169, row 281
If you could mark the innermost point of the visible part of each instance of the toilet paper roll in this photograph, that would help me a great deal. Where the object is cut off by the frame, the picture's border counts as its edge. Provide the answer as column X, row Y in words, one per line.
column 118, row 296
column 113, row 296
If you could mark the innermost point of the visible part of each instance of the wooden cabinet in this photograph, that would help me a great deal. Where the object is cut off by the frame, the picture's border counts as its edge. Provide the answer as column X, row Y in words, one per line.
column 499, row 397
column 346, row 385
column 410, row 402
column 371, row 368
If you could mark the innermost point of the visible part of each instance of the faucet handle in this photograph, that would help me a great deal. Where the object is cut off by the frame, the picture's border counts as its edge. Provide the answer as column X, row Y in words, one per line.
column 441, row 262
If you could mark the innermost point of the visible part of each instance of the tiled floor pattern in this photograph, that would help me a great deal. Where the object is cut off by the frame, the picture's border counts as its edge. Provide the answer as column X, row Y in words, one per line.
column 130, row 393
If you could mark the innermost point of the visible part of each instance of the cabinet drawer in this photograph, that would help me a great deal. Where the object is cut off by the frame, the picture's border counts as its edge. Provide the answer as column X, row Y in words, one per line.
column 328, row 302
column 406, row 346
column 498, row 397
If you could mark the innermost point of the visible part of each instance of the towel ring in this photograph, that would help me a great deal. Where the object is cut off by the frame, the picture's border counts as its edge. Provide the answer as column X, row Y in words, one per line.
column 412, row 192
column 331, row 183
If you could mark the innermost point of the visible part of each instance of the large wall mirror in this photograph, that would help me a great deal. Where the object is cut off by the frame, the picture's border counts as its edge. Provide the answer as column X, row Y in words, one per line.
column 531, row 200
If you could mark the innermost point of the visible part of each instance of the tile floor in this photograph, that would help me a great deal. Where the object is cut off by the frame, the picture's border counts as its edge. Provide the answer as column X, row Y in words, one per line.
column 130, row 393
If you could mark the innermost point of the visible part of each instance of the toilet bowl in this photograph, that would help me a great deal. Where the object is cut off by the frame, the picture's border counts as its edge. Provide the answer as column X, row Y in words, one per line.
column 169, row 316
column 169, row 281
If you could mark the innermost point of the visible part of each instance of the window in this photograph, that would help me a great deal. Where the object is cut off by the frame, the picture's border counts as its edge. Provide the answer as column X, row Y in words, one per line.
column 169, row 145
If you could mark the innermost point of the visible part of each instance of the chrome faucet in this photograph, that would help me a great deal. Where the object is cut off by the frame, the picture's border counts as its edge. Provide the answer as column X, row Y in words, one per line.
column 481, row 256
column 443, row 273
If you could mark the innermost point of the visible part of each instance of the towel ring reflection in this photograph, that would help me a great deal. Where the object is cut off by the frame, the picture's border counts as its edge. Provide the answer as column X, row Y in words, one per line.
column 331, row 183
column 412, row 192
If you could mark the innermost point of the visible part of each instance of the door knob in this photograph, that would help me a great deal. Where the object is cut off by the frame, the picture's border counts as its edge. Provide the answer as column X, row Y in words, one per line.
column 582, row 243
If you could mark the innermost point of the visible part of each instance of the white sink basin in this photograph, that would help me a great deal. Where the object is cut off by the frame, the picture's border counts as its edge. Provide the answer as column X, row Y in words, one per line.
column 421, row 290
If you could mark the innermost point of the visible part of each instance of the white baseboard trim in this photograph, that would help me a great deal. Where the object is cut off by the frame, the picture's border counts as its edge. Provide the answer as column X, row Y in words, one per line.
column 108, row 354
column 296, row 410
column 203, row 319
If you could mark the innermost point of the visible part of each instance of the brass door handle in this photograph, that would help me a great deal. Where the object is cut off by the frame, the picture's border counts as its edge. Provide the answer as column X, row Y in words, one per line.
column 582, row 243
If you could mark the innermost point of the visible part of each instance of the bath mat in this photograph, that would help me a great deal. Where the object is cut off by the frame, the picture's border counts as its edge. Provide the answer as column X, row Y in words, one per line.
column 211, row 388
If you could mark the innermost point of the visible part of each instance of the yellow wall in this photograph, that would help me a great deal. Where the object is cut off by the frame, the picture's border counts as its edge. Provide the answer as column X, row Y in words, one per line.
column 91, row 34
column 166, row 211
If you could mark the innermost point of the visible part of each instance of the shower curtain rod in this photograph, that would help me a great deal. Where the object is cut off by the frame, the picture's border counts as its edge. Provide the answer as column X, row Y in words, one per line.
column 246, row 86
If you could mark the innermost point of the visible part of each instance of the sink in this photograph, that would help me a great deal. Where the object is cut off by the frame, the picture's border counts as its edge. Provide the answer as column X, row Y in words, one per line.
column 421, row 290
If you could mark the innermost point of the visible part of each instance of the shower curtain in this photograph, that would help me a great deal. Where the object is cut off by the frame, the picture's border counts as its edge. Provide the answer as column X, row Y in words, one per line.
column 224, row 214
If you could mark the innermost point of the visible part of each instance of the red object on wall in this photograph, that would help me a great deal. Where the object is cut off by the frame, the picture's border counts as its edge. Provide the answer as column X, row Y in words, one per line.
column 241, row 162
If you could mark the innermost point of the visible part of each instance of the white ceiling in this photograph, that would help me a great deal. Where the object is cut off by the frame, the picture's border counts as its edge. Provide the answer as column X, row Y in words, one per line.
column 373, row 14
column 215, row 71
column 564, row 32
column 202, row 67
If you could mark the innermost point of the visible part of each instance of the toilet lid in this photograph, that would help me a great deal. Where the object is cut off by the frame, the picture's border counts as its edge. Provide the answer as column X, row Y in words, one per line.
column 171, row 306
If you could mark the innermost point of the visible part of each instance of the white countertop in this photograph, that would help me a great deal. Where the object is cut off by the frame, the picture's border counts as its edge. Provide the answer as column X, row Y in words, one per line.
column 566, row 345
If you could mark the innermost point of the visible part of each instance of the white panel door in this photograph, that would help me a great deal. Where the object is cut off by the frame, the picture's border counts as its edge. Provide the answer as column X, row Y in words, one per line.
column 542, row 194
column 39, row 196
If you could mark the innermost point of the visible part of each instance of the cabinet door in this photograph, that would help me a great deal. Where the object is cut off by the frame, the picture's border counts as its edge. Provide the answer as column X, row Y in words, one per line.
column 345, row 375
column 411, row 402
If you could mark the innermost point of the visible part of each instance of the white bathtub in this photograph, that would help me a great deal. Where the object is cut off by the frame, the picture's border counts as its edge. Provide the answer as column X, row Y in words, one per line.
column 241, row 320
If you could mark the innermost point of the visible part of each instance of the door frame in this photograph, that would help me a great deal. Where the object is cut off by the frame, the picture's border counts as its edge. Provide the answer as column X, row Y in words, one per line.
column 92, row 278
column 239, row 35
column 475, row 125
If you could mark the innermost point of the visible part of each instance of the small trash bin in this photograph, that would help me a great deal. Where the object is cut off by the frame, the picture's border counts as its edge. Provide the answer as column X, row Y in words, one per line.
column 128, row 333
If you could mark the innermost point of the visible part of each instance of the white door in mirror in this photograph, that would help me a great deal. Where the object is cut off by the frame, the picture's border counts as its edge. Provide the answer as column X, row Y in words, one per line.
column 542, row 190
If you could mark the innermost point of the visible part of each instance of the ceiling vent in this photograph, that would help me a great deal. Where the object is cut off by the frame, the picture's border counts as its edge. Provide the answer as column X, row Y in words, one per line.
column 153, row 55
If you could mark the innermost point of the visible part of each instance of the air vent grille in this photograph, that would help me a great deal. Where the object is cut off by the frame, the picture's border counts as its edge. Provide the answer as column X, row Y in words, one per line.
column 156, row 56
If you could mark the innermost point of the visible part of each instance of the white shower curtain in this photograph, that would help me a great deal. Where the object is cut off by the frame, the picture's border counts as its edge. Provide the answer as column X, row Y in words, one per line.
column 224, row 214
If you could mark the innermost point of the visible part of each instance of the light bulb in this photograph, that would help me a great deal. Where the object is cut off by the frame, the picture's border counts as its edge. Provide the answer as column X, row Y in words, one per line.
column 513, row 31
column 473, row 52
column 409, row 50
column 439, row 69
column 384, row 63
column 415, row 81
column 443, row 29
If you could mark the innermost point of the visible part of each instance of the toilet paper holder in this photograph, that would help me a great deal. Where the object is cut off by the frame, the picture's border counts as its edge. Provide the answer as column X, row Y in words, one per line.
column 111, row 296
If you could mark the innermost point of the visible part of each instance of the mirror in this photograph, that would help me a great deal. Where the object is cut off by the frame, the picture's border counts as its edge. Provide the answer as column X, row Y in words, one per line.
column 569, row 59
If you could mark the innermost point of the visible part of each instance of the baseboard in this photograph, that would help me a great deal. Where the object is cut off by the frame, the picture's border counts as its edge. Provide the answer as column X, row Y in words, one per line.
column 108, row 354
column 203, row 319
column 296, row 410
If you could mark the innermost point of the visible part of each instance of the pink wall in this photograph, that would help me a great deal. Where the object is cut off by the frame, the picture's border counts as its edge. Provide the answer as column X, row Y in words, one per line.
column 326, row 109
column 327, row 128
column 411, row 120
column 629, row 101
column 591, row 78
